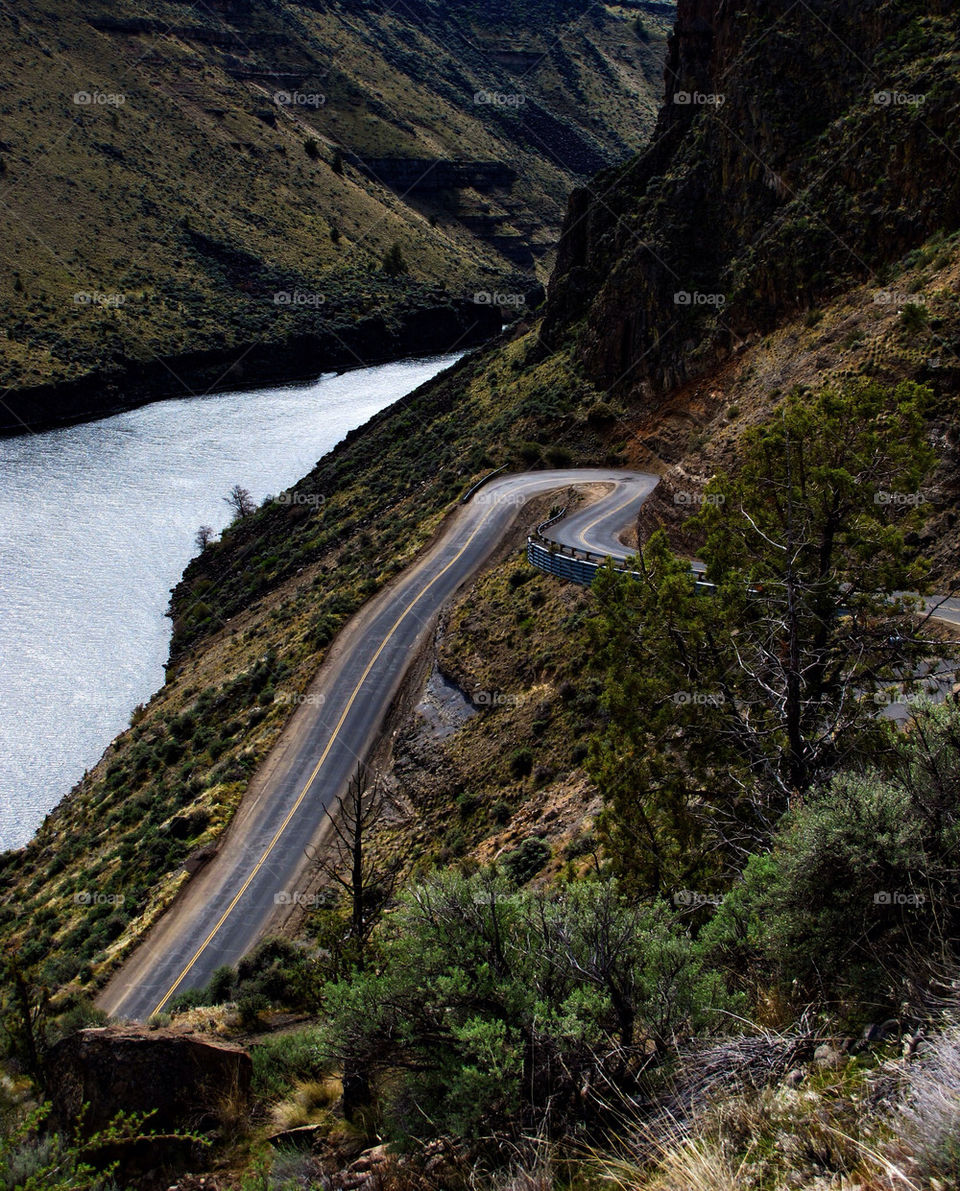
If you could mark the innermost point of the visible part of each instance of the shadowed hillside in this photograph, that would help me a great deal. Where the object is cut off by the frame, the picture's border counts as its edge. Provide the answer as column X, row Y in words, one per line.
column 194, row 195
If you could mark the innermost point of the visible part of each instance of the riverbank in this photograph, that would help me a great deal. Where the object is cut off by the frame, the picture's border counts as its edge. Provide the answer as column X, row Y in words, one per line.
column 99, row 523
column 451, row 325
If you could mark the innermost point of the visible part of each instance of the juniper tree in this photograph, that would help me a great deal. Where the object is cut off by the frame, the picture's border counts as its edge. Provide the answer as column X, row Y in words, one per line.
column 725, row 706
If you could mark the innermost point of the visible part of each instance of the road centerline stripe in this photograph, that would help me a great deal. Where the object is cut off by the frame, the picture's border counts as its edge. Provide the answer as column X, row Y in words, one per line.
column 319, row 765
column 603, row 516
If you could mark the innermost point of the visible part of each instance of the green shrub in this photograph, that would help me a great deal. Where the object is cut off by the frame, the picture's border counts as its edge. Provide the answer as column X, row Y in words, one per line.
column 601, row 414
column 523, row 863
column 859, row 897
column 520, row 576
column 33, row 1157
column 521, row 763
column 467, row 803
column 277, row 973
column 280, row 1061
column 250, row 1006
column 394, row 263
column 914, row 317
column 492, row 1010
column 191, row 998
column 79, row 1016
column 220, row 988
column 501, row 812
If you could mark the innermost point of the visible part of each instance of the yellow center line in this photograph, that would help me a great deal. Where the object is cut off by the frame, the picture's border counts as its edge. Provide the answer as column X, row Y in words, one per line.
column 596, row 521
column 323, row 756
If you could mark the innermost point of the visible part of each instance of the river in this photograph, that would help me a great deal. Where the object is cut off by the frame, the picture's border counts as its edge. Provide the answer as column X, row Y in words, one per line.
column 97, row 523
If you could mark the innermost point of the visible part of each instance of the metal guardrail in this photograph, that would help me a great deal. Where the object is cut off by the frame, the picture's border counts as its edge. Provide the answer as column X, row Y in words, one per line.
column 579, row 566
column 573, row 551
column 562, row 561
column 551, row 521
column 562, row 565
column 480, row 483
column 558, row 547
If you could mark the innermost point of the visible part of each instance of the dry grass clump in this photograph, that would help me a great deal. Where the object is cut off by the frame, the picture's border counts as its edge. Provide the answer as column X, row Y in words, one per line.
column 309, row 1103
column 218, row 1020
column 692, row 1163
column 926, row 1120
column 894, row 1126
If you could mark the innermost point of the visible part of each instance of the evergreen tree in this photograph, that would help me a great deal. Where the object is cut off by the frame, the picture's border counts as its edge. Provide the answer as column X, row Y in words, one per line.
column 394, row 263
column 725, row 706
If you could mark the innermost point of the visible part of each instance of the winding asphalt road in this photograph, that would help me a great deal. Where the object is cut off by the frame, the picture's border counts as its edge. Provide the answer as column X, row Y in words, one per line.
column 227, row 906
column 231, row 902
column 944, row 608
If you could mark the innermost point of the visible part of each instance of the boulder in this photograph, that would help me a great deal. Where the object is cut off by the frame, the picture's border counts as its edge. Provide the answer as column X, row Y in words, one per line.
column 189, row 1082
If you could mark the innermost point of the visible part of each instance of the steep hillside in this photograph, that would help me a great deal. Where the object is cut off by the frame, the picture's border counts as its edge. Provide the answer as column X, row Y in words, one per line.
column 842, row 263
column 762, row 190
column 255, row 612
column 203, row 195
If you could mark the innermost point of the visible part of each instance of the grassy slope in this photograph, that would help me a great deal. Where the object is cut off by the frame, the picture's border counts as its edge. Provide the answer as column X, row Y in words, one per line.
column 255, row 613
column 195, row 200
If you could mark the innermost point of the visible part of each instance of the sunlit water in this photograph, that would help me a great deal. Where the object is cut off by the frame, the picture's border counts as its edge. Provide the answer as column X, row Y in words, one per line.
column 97, row 523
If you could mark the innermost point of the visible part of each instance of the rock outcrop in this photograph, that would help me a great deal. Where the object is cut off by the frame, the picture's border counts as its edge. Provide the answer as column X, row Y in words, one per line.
column 800, row 148
column 187, row 1082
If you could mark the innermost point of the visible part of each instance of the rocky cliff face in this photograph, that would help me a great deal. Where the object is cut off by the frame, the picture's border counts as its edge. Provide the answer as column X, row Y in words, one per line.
column 800, row 147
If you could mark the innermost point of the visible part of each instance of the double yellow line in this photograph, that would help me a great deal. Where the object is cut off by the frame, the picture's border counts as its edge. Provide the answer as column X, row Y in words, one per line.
column 319, row 765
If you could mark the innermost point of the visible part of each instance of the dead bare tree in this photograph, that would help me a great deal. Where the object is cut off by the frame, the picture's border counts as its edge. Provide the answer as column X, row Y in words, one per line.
column 367, row 878
column 240, row 501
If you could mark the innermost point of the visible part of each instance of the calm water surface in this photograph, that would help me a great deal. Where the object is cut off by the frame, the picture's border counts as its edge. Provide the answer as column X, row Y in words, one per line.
column 96, row 525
